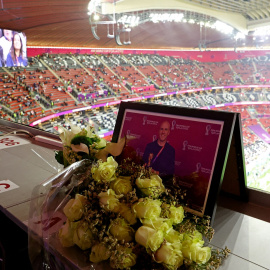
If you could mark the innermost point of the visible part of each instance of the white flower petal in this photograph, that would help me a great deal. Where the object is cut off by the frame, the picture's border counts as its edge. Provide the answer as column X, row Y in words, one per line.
column 80, row 148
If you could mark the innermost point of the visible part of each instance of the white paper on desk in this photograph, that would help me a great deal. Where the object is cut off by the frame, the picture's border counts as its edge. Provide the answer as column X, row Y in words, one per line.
column 11, row 141
column 7, row 185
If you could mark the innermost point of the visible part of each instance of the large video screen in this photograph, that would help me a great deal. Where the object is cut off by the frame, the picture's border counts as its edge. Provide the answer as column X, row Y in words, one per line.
column 12, row 48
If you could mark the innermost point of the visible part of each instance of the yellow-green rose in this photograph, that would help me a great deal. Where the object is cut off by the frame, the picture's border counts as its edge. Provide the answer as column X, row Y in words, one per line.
column 147, row 208
column 105, row 170
column 75, row 207
column 109, row 201
column 176, row 214
column 174, row 237
column 127, row 213
column 121, row 230
column 149, row 237
column 95, row 174
column 121, row 185
column 194, row 250
column 162, row 224
column 169, row 256
column 83, row 236
column 99, row 252
column 150, row 186
column 201, row 255
column 192, row 236
column 66, row 233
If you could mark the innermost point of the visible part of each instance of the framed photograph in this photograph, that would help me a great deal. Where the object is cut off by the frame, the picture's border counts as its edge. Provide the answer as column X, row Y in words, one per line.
column 185, row 147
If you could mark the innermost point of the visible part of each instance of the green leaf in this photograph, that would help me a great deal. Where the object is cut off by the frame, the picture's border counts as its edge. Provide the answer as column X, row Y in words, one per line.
column 81, row 139
column 59, row 157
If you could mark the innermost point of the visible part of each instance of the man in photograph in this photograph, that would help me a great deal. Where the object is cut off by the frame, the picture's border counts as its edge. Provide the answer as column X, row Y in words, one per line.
column 159, row 154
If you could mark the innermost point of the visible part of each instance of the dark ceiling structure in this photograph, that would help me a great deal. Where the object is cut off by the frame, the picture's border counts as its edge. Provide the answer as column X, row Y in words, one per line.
column 58, row 23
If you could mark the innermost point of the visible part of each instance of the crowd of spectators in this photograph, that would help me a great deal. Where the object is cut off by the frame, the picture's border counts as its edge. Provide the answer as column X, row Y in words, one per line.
column 53, row 83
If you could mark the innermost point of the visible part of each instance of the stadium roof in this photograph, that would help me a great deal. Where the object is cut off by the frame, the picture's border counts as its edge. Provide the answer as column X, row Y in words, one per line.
column 61, row 23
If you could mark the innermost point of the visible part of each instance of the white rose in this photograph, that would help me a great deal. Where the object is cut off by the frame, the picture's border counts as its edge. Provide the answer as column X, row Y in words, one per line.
column 147, row 208
column 170, row 257
column 150, row 186
column 176, row 214
column 158, row 224
column 99, row 252
column 149, row 237
column 74, row 208
column 121, row 185
column 121, row 230
column 83, row 236
column 66, row 233
column 109, row 201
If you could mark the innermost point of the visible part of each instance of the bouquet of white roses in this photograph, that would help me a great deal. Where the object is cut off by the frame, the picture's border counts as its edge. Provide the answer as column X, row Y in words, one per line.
column 125, row 216
column 118, row 214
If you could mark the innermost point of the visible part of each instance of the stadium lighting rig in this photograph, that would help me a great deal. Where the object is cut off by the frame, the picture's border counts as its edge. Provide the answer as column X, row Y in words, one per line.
column 120, row 25
column 262, row 31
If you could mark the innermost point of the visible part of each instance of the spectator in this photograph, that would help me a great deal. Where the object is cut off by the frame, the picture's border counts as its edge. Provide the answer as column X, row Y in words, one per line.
column 15, row 57
column 6, row 42
column 1, row 57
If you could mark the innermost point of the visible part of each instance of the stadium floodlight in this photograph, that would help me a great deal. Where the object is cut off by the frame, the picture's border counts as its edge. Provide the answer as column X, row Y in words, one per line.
column 92, row 6
column 96, row 17
column 129, row 20
column 154, row 17
column 239, row 35
column 179, row 17
column 223, row 27
column 123, row 19
column 262, row 31
column 166, row 17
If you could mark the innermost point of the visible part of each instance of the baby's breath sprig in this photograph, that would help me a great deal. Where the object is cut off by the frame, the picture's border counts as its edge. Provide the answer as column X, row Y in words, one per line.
column 186, row 226
column 131, row 197
column 128, row 168
column 201, row 224
column 173, row 196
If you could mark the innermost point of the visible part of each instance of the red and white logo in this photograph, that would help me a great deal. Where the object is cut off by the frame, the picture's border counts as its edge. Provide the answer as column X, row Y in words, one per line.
column 7, row 185
column 11, row 141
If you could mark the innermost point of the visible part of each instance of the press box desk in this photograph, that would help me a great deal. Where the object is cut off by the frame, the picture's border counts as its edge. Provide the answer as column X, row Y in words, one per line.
column 29, row 164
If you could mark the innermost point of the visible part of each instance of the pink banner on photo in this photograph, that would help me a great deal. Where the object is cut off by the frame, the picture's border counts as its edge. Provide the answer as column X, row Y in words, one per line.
column 195, row 142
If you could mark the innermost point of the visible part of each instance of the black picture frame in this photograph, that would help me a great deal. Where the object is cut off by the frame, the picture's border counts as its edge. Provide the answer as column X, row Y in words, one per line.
column 226, row 120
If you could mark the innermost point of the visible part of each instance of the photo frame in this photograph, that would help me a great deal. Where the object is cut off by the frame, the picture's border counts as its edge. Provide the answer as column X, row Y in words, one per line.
column 201, row 141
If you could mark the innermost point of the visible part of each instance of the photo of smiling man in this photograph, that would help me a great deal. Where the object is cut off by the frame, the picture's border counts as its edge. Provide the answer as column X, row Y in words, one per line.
column 160, row 155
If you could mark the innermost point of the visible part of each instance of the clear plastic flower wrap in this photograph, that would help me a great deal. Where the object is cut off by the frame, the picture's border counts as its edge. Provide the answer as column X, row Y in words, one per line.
column 46, row 218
